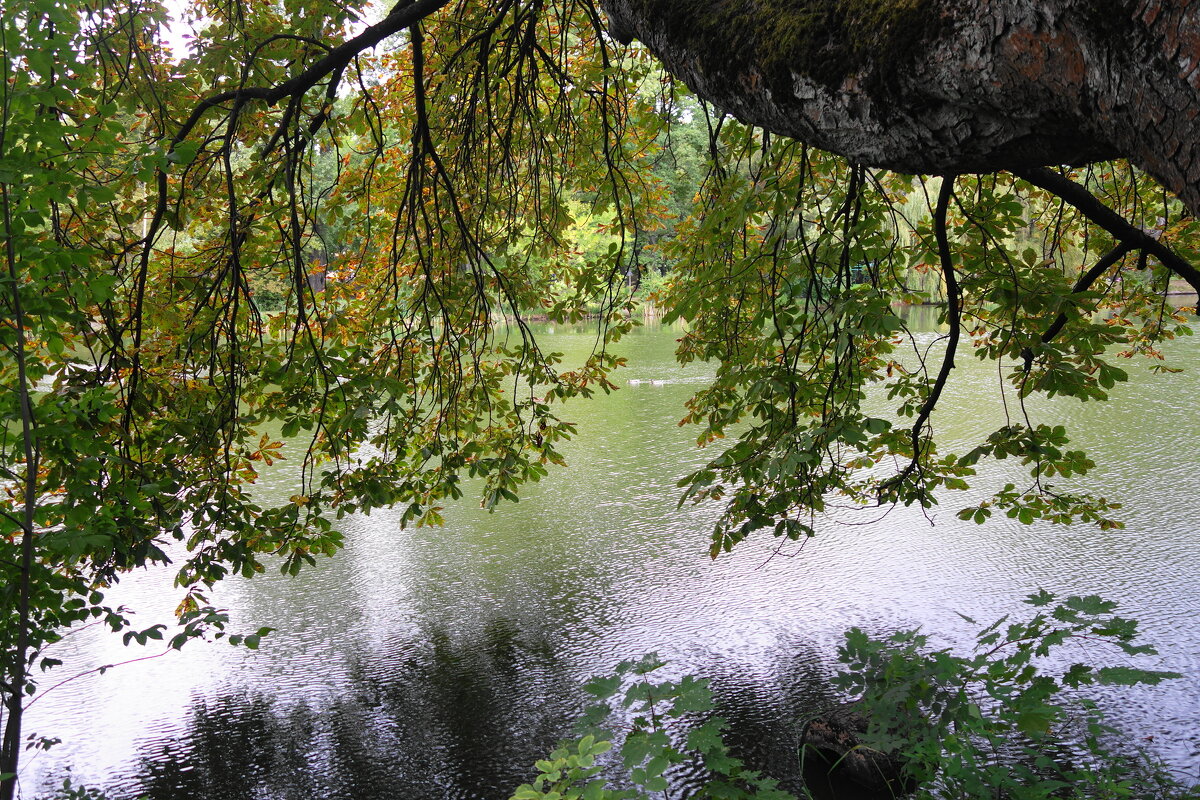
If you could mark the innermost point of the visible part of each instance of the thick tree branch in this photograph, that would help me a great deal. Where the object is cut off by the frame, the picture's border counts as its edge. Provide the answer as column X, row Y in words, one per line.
column 10, row 739
column 1121, row 229
column 944, row 86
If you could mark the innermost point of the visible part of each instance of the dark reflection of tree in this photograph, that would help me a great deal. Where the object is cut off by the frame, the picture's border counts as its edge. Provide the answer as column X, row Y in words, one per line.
column 234, row 747
column 767, row 717
column 446, row 715
column 455, row 719
column 438, row 716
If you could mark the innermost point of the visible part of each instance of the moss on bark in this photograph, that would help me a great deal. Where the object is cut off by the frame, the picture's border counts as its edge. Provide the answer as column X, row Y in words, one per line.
column 825, row 40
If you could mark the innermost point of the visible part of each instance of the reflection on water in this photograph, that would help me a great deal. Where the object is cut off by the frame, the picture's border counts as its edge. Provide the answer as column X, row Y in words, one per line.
column 442, row 663
column 436, row 722
column 446, row 720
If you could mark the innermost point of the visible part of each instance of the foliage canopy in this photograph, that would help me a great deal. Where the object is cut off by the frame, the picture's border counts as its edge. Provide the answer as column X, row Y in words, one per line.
column 309, row 235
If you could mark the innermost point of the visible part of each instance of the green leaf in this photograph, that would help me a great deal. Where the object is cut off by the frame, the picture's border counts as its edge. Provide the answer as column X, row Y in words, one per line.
column 603, row 687
column 1130, row 676
column 656, row 784
column 1040, row 598
column 876, row 426
column 184, row 152
column 657, row 765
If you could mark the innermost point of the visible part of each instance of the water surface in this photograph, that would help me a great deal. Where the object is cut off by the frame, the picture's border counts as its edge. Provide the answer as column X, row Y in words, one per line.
column 440, row 663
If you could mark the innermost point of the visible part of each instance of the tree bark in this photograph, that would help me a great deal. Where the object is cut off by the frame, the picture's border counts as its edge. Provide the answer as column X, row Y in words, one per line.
column 945, row 86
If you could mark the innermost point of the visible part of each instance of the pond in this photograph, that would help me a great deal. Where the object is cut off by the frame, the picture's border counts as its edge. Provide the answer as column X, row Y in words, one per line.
column 440, row 663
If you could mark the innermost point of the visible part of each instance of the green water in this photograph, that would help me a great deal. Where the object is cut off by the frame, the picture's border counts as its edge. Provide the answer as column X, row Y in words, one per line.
column 439, row 663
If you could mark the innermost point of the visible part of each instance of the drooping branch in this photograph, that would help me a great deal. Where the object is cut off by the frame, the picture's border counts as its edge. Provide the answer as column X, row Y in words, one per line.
column 953, row 311
column 332, row 63
column 953, row 320
column 329, row 67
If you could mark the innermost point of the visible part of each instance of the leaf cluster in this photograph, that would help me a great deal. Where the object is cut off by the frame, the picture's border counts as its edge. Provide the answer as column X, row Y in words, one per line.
column 661, row 725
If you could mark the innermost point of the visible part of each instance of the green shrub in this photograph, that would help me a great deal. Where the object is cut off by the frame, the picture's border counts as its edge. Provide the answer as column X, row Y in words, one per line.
column 650, row 746
column 1002, row 722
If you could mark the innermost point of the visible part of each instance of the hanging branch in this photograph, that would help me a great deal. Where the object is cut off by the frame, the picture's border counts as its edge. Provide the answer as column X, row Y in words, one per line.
column 331, row 65
column 953, row 319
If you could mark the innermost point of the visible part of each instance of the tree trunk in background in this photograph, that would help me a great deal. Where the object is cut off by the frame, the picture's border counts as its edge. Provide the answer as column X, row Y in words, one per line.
column 946, row 86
